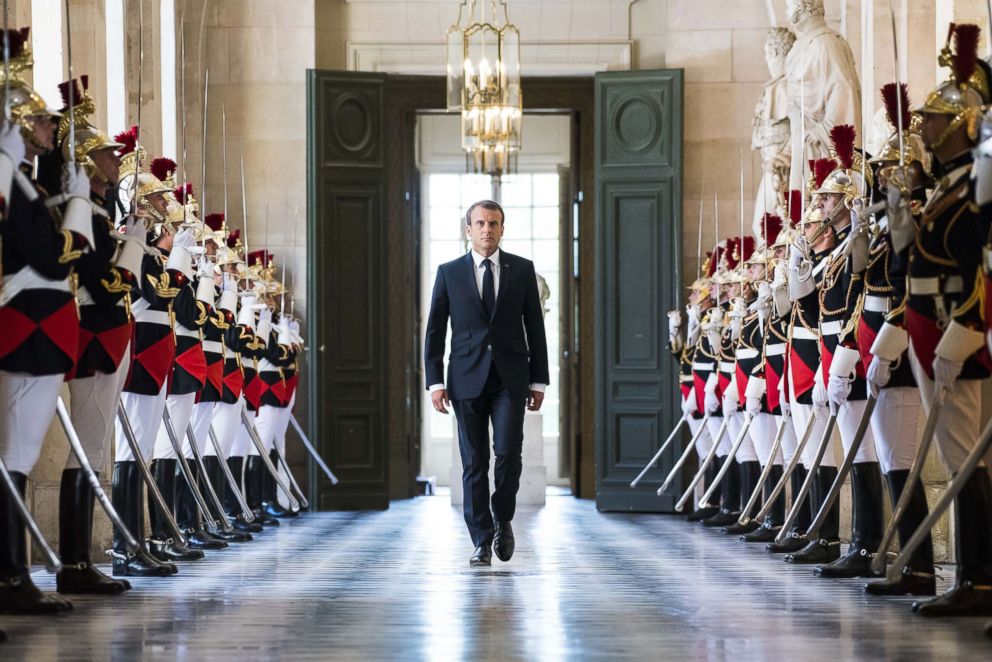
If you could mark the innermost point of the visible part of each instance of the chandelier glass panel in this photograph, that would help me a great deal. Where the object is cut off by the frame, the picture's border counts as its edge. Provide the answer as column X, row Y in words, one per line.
column 483, row 71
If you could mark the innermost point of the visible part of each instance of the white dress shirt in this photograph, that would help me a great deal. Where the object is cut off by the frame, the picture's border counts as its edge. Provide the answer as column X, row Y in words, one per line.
column 480, row 272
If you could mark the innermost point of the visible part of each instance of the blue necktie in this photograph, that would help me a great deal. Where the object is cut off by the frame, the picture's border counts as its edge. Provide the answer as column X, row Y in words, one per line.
column 488, row 288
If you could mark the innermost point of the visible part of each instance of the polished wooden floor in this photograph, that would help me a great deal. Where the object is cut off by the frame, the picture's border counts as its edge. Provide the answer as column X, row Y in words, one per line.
column 395, row 585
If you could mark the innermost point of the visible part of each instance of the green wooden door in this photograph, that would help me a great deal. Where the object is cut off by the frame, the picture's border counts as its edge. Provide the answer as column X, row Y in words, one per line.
column 638, row 160
column 346, row 264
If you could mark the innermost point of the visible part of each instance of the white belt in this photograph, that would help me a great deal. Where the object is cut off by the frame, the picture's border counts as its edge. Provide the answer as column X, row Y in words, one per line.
column 183, row 331
column 702, row 366
column 28, row 279
column 931, row 286
column 214, row 346
column 746, row 353
column 727, row 366
column 149, row 316
column 83, row 296
column 987, row 259
column 778, row 349
column 831, row 328
column 139, row 306
column 265, row 366
column 802, row 333
column 876, row 304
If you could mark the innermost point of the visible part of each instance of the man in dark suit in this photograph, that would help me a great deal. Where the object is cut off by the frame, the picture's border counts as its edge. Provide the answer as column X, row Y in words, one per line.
column 498, row 366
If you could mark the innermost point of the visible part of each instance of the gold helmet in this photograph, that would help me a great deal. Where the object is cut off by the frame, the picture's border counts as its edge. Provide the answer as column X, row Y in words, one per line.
column 851, row 178
column 89, row 138
column 966, row 93
column 24, row 102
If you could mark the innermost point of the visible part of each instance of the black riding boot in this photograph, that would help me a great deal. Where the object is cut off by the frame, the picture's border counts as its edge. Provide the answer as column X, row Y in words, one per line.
column 255, row 489
column 866, row 525
column 188, row 514
column 730, row 496
column 271, row 497
column 231, row 504
column 700, row 514
column 78, row 575
column 796, row 536
column 972, row 592
column 917, row 577
column 826, row 547
column 215, row 475
column 18, row 593
column 127, row 497
column 162, row 545
column 776, row 515
column 749, row 474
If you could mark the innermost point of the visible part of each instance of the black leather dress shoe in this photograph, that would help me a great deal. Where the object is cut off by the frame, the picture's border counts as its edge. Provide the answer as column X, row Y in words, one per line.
column 721, row 519
column 703, row 513
column 816, row 551
column 763, row 533
column 483, row 555
column 503, row 541
column 912, row 584
column 794, row 542
column 962, row 600
column 737, row 529
column 856, row 563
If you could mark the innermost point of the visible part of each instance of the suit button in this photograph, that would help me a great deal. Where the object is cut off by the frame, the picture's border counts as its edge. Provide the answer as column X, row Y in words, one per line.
column 489, row 348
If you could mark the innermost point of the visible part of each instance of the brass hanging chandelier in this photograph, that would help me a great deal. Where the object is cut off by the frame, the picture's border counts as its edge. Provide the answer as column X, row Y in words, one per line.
column 483, row 72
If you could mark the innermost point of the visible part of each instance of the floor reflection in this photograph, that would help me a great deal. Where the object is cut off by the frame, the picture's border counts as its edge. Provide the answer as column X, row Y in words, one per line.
column 396, row 585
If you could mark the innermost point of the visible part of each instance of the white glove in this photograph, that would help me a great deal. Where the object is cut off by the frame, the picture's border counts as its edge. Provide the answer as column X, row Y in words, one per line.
column 294, row 329
column 134, row 230
column 753, row 406
column 246, row 316
column 786, row 407
column 264, row 327
column 711, row 402
column 205, row 269
column 689, row 405
column 946, row 371
column 230, row 282
column 796, row 253
column 879, row 373
column 838, row 390
column 674, row 326
column 692, row 330
column 185, row 238
column 11, row 142
column 820, row 396
column 77, row 184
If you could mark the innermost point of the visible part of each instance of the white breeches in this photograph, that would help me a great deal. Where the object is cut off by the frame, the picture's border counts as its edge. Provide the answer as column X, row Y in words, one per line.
column 227, row 424
column 763, row 429
column 848, row 417
column 203, row 415
column 801, row 415
column 746, row 452
column 145, row 415
column 181, row 411
column 894, row 424
column 704, row 443
column 93, row 409
column 29, row 406
column 713, row 426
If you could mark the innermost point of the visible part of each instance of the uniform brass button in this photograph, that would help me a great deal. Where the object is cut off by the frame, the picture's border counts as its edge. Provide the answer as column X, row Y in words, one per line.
column 489, row 348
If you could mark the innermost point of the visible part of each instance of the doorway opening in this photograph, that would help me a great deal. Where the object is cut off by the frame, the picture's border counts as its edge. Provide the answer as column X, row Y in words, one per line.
column 537, row 203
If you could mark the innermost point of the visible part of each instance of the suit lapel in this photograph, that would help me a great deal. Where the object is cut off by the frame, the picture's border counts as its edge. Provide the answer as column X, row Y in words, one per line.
column 471, row 284
column 505, row 274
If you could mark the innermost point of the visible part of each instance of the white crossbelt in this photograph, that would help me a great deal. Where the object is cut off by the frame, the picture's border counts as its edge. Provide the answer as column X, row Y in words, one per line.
column 214, row 346
column 28, row 279
column 876, row 304
column 931, row 286
column 802, row 333
column 188, row 333
column 265, row 366
column 698, row 365
column 746, row 353
column 148, row 316
column 727, row 366
column 831, row 328
column 778, row 349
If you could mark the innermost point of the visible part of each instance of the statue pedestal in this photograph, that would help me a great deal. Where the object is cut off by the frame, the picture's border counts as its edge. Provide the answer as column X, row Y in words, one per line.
column 533, row 478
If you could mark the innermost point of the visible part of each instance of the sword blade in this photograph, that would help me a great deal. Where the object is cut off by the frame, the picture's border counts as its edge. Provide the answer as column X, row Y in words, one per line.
column 187, row 473
column 797, row 458
column 657, row 456
column 146, row 475
column 799, row 500
column 266, row 460
column 91, row 477
column 685, row 455
column 232, row 482
column 738, row 442
column 745, row 518
column 702, row 467
column 878, row 563
column 313, row 451
column 844, row 470
column 225, row 523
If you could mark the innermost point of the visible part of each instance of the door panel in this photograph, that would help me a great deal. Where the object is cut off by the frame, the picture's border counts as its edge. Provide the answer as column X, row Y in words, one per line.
column 347, row 185
column 638, row 245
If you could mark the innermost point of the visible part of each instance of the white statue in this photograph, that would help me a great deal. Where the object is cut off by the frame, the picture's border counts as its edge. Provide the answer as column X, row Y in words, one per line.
column 770, row 132
column 824, row 89
column 544, row 292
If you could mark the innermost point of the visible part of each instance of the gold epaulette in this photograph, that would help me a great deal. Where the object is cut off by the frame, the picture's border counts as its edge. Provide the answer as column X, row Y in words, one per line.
column 116, row 285
column 219, row 322
column 68, row 253
column 161, row 285
column 201, row 317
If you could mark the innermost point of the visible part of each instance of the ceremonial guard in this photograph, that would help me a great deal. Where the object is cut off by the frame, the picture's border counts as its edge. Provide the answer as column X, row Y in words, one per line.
column 105, row 277
column 894, row 421
column 944, row 314
column 38, row 313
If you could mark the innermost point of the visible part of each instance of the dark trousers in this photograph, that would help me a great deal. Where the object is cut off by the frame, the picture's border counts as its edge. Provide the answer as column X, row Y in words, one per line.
column 506, row 412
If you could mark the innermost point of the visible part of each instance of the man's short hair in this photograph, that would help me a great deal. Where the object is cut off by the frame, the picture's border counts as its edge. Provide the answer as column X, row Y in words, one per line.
column 491, row 205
